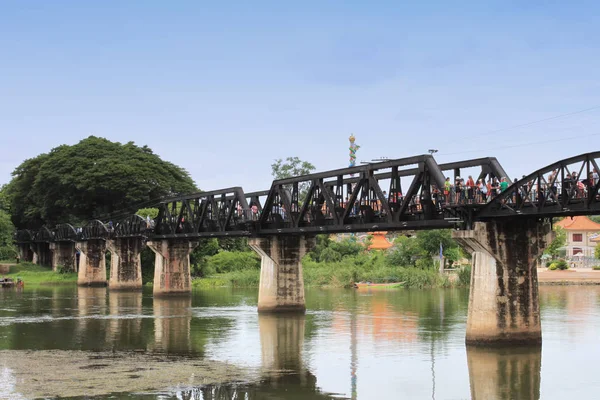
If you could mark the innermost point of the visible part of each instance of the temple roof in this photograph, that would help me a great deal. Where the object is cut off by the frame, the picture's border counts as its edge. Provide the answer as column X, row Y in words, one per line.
column 580, row 223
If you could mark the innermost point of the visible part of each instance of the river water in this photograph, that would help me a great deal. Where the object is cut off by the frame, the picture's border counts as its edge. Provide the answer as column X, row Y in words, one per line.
column 91, row 343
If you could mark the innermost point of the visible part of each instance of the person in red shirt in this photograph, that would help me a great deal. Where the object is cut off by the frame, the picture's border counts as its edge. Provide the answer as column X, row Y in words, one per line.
column 470, row 189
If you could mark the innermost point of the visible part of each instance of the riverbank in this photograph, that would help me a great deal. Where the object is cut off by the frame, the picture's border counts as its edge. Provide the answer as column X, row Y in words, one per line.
column 33, row 274
column 343, row 274
column 568, row 277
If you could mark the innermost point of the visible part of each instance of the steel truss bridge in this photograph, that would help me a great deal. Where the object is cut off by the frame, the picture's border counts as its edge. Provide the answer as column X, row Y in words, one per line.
column 394, row 195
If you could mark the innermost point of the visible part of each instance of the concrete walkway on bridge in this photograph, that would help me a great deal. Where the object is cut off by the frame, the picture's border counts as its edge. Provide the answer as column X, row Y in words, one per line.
column 580, row 276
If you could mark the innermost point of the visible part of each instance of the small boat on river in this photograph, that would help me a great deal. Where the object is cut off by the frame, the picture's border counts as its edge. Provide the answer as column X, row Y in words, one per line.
column 9, row 283
column 370, row 285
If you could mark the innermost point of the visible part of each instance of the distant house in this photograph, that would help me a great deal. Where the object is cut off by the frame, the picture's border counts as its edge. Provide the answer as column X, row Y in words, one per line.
column 581, row 235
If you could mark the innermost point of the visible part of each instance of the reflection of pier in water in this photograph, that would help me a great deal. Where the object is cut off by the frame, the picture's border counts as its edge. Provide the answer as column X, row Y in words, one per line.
column 172, row 324
column 124, row 330
column 504, row 373
column 91, row 326
column 284, row 374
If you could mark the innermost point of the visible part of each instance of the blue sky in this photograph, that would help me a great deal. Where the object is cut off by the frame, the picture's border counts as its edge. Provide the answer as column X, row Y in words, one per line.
column 223, row 88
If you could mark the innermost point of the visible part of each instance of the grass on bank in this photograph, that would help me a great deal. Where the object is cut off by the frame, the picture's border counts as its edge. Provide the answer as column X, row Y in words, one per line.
column 33, row 274
column 368, row 268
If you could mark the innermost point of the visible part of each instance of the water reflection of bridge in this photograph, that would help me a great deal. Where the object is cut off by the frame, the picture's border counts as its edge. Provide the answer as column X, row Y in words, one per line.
column 283, row 372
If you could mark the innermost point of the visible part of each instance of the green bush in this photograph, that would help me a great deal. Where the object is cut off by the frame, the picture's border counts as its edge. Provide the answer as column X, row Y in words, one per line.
column 464, row 276
column 553, row 267
column 562, row 264
column 8, row 253
column 244, row 278
column 227, row 261
column 424, row 263
column 596, row 267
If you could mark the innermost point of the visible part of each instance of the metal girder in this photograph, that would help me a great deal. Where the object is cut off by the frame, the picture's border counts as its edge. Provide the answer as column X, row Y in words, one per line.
column 94, row 229
column 353, row 200
column 334, row 200
column 43, row 235
column 65, row 233
column 132, row 226
column 215, row 211
column 489, row 165
column 557, row 195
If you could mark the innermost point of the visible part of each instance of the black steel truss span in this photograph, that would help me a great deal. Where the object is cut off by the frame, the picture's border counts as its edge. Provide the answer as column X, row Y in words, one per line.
column 43, row 235
column 216, row 213
column 94, row 229
column 65, row 233
column 369, row 197
column 132, row 226
column 552, row 191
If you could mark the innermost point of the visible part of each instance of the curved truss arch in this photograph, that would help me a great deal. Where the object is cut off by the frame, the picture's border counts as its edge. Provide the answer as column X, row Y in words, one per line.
column 43, row 235
column 24, row 236
column 94, row 229
column 552, row 190
column 65, row 233
column 132, row 226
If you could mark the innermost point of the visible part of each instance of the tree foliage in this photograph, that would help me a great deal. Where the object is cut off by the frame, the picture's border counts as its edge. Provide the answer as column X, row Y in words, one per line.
column 148, row 212
column 7, row 250
column 91, row 179
column 419, row 250
column 560, row 240
column 292, row 166
column 327, row 250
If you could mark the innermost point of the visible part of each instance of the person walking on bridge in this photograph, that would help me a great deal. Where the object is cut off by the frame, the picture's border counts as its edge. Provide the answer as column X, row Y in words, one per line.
column 470, row 189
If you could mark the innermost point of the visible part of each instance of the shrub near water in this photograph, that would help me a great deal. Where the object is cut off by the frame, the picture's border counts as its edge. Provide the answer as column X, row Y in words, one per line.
column 234, row 268
column 371, row 267
column 227, row 261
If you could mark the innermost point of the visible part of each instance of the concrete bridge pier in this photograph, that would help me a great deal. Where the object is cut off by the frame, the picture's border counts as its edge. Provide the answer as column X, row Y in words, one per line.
column 281, row 282
column 63, row 253
column 25, row 252
column 172, row 266
column 92, row 262
column 125, row 263
column 503, row 301
column 42, row 255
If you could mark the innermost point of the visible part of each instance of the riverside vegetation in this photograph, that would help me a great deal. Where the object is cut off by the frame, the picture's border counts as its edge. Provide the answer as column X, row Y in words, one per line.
column 339, row 263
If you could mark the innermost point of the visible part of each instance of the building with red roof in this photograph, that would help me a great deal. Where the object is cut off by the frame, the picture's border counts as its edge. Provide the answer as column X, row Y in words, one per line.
column 581, row 235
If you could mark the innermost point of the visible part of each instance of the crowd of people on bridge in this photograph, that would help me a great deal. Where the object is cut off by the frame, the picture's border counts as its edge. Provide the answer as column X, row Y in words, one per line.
column 481, row 192
column 462, row 192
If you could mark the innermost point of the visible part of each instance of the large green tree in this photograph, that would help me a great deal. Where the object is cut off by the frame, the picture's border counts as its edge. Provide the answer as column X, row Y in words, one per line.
column 95, row 178
column 560, row 240
column 7, row 250
column 291, row 167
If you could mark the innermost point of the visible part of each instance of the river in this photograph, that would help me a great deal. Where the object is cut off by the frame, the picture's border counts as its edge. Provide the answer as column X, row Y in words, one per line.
column 92, row 343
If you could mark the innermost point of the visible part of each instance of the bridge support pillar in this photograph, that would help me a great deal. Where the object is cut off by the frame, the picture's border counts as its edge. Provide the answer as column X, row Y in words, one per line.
column 25, row 252
column 42, row 255
column 92, row 263
column 503, row 301
column 125, row 263
column 63, row 254
column 172, row 266
column 281, row 282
